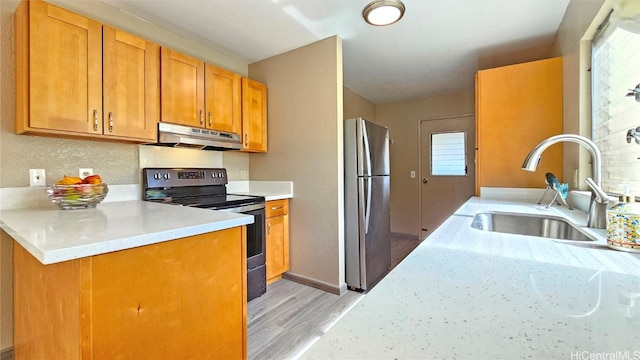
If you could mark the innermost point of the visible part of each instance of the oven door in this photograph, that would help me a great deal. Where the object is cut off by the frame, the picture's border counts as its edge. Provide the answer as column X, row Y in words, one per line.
column 256, row 244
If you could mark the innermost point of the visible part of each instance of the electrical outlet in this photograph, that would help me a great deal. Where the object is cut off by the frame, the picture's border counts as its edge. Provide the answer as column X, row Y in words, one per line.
column 243, row 175
column 84, row 172
column 37, row 177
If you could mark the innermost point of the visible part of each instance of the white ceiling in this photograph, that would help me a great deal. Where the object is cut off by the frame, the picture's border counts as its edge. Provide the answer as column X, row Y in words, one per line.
column 435, row 48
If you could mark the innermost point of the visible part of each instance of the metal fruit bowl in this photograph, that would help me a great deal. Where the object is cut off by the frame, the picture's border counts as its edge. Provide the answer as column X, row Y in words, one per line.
column 77, row 196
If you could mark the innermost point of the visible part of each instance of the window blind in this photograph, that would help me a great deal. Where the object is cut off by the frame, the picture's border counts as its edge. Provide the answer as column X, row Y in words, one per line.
column 448, row 155
column 616, row 69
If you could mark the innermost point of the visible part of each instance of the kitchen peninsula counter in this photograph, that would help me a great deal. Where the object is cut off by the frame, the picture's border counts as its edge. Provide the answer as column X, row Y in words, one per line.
column 128, row 279
column 52, row 235
column 465, row 293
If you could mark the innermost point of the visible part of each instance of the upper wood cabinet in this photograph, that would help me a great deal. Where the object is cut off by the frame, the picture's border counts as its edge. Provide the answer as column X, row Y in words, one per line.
column 182, row 89
column 223, row 100
column 254, row 116
column 199, row 94
column 59, row 77
column 131, row 83
column 517, row 106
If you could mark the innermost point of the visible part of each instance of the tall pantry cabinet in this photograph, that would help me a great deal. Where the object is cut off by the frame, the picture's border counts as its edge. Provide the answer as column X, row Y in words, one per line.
column 517, row 106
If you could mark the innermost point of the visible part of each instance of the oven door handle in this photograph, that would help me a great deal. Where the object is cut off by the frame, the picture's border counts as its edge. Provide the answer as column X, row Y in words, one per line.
column 242, row 209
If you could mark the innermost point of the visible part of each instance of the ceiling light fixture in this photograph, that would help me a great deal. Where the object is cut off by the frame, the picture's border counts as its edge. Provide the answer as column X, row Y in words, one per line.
column 383, row 12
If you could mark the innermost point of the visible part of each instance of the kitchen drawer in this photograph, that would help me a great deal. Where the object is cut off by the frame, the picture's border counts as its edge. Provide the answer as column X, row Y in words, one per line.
column 277, row 208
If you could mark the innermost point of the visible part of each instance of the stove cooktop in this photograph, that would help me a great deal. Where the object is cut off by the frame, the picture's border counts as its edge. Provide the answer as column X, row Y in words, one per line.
column 218, row 201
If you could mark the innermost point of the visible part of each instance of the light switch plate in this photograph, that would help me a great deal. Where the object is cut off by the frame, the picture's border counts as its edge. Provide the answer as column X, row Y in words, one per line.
column 37, row 177
column 413, row 174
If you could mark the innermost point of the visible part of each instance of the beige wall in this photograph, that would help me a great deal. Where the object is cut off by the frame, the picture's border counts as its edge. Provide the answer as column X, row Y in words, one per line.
column 402, row 119
column 356, row 106
column 305, row 146
column 117, row 163
column 576, row 100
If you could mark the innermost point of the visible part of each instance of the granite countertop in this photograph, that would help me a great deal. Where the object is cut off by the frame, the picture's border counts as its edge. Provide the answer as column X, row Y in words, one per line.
column 470, row 294
column 52, row 235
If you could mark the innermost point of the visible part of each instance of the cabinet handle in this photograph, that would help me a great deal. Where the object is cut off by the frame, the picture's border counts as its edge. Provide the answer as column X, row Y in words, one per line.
column 201, row 117
column 276, row 207
column 210, row 119
column 95, row 120
column 268, row 227
column 110, row 121
column 246, row 139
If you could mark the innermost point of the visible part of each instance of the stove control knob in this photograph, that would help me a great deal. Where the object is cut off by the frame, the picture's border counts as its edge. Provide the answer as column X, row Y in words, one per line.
column 166, row 176
column 156, row 176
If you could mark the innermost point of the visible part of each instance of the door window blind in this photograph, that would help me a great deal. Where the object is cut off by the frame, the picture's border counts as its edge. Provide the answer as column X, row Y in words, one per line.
column 448, row 154
column 615, row 70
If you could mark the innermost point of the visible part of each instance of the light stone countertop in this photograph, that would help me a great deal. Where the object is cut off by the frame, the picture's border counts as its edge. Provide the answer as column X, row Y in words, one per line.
column 470, row 294
column 271, row 190
column 52, row 235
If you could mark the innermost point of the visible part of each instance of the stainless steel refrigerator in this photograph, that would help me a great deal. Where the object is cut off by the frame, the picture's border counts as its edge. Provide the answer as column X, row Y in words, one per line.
column 367, row 220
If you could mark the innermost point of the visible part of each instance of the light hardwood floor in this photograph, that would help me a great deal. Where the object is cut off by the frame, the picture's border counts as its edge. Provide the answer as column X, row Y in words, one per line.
column 290, row 317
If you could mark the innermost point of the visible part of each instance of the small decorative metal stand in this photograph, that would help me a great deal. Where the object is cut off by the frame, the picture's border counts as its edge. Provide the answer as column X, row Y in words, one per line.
column 556, row 197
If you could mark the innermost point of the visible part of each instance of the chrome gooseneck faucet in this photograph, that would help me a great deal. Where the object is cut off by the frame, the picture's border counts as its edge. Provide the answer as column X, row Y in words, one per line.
column 597, row 217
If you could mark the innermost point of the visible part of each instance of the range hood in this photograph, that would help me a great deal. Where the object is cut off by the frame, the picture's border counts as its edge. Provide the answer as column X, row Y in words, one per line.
column 197, row 138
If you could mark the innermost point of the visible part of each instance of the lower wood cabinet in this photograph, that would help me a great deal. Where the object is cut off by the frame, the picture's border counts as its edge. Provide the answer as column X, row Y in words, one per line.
column 277, row 229
column 180, row 299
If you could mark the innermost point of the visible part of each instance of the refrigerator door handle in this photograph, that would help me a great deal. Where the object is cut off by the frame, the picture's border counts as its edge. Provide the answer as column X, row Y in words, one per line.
column 367, row 150
column 367, row 213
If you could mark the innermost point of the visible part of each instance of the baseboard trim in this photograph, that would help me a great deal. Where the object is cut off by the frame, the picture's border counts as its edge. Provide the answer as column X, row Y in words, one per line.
column 324, row 286
column 409, row 236
column 6, row 354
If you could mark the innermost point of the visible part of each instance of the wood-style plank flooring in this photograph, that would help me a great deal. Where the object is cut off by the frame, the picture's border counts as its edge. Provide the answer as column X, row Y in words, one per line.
column 290, row 317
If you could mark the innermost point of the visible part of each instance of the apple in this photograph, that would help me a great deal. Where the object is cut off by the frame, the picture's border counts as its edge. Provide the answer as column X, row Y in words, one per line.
column 92, row 179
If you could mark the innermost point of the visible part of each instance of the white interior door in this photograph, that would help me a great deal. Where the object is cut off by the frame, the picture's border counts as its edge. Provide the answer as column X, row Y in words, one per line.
column 447, row 168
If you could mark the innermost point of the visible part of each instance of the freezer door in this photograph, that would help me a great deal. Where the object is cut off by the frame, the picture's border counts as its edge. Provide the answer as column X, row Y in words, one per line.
column 375, row 230
column 372, row 143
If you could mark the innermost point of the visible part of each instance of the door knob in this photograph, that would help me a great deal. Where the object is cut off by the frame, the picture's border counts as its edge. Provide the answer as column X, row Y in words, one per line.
column 424, row 181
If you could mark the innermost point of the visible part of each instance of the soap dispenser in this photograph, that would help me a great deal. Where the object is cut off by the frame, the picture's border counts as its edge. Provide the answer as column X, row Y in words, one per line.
column 623, row 223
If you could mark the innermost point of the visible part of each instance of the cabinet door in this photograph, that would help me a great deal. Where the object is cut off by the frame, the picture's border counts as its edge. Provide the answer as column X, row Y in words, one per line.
column 131, row 85
column 275, row 255
column 223, row 100
column 180, row 299
column 182, row 89
column 64, row 72
column 254, row 116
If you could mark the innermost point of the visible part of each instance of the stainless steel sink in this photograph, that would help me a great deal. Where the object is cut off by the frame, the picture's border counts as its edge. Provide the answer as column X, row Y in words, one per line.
column 546, row 226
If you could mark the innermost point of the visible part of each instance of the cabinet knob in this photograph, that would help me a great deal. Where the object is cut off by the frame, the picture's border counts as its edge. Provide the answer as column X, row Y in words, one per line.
column 110, row 121
column 201, row 117
column 210, row 119
column 268, row 227
column 246, row 139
